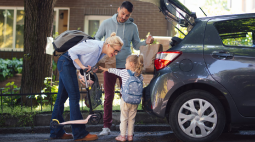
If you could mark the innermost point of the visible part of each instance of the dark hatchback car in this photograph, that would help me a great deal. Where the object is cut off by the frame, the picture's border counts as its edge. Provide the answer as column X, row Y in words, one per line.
column 204, row 83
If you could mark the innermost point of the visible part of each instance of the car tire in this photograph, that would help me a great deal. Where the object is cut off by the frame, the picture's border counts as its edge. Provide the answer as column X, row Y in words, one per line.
column 197, row 111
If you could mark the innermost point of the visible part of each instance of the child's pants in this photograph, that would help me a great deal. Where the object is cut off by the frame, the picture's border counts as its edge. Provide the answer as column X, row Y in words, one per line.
column 127, row 117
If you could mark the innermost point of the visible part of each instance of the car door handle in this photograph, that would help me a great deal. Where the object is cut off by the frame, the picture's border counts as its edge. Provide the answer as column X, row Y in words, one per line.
column 222, row 55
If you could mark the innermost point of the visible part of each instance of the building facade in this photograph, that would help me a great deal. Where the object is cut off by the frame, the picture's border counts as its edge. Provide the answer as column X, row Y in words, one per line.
column 242, row 6
column 85, row 15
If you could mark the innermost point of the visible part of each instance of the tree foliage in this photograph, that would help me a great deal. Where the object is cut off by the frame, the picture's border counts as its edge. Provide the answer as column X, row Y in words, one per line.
column 211, row 8
column 216, row 7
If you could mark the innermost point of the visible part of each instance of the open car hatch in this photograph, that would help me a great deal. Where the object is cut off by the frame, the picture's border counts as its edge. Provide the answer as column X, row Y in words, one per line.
column 175, row 11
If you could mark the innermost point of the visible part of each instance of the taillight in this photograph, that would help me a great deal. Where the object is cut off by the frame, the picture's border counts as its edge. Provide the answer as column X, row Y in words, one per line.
column 163, row 59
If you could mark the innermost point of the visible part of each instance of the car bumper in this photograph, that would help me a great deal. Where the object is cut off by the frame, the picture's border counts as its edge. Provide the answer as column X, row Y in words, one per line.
column 158, row 92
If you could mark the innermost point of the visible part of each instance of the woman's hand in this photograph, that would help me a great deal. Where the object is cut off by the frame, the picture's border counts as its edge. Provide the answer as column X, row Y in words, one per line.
column 89, row 68
column 81, row 79
column 104, row 69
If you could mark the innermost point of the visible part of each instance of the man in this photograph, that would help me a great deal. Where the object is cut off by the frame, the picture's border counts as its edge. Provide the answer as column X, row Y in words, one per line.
column 123, row 25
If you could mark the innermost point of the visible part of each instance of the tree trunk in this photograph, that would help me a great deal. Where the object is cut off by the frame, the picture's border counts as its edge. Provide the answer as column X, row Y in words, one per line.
column 36, row 63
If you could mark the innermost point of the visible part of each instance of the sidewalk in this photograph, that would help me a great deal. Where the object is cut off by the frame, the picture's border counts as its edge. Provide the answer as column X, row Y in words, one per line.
column 90, row 128
column 144, row 123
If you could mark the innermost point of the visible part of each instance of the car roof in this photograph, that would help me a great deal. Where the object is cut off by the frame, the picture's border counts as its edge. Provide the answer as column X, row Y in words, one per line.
column 230, row 16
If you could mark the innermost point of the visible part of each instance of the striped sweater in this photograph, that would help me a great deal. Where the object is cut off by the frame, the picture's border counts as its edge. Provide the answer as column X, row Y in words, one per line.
column 123, row 73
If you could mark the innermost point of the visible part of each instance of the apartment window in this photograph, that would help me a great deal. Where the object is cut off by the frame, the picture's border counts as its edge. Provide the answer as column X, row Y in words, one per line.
column 12, row 26
column 19, row 40
column 92, row 23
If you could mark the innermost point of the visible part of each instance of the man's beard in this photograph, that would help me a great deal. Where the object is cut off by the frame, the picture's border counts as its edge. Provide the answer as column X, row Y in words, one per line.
column 119, row 20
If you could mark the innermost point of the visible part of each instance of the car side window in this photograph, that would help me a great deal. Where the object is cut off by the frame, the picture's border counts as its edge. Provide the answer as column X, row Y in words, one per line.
column 239, row 32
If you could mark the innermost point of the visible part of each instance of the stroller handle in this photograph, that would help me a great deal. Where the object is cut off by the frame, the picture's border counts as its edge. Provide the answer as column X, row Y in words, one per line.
column 85, row 70
column 84, row 73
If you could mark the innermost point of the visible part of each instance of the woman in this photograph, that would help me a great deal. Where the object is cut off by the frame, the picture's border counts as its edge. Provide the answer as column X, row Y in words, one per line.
column 81, row 56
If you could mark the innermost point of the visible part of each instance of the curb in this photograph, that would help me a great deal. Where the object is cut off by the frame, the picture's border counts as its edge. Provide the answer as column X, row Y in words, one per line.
column 90, row 128
column 45, row 119
column 143, row 123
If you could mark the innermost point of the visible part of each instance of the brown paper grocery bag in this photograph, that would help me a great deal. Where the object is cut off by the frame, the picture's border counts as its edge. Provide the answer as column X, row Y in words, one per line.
column 149, row 54
column 107, row 62
column 165, row 43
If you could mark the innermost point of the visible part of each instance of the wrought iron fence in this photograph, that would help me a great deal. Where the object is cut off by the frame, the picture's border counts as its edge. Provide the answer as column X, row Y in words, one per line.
column 32, row 94
column 21, row 102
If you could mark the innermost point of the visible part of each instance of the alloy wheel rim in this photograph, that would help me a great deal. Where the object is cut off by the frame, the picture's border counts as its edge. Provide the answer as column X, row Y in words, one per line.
column 197, row 118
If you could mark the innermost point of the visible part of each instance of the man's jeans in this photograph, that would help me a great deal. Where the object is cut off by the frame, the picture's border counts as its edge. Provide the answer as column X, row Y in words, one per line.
column 68, row 87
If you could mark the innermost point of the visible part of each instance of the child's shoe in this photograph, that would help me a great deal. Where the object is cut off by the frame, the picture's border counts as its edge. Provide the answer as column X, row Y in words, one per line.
column 130, row 138
column 121, row 138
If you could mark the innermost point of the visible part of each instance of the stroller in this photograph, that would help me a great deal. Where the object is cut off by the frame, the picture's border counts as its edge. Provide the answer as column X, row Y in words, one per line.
column 91, row 101
column 94, row 94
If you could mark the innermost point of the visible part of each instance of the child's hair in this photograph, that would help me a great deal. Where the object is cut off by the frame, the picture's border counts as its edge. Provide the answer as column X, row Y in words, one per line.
column 114, row 40
column 138, row 61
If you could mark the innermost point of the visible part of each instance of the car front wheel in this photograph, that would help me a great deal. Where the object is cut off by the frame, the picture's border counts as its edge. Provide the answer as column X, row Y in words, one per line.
column 197, row 116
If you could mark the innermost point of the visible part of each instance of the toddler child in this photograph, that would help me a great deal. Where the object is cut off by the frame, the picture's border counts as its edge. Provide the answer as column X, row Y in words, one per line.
column 134, row 63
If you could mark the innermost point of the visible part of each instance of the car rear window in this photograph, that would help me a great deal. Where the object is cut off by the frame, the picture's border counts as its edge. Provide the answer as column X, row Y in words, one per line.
column 239, row 32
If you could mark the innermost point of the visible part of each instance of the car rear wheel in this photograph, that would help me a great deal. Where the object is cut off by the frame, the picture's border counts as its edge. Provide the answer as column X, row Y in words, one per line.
column 197, row 116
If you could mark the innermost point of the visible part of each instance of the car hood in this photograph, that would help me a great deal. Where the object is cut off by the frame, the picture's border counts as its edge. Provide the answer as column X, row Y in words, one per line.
column 175, row 11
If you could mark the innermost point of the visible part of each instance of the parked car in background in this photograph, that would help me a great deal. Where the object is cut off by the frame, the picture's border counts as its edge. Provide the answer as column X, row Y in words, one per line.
column 205, row 83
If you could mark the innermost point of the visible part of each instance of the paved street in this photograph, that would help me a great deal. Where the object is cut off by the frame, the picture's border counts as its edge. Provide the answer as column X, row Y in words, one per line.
column 162, row 136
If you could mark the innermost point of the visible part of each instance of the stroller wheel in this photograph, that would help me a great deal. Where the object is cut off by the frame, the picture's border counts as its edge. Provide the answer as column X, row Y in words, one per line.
column 99, row 114
column 94, row 119
column 54, row 123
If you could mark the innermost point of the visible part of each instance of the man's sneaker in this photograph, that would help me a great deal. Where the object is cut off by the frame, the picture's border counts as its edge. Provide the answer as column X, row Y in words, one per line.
column 105, row 131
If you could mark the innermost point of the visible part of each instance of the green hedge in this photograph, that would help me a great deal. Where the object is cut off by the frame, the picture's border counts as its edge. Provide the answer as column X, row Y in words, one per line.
column 10, row 67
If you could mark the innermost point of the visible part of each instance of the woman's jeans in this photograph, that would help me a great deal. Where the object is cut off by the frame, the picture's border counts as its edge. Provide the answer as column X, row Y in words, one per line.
column 68, row 87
